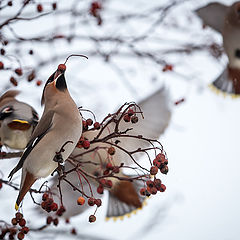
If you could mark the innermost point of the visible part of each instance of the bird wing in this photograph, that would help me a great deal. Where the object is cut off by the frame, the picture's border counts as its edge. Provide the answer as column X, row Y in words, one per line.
column 213, row 15
column 40, row 131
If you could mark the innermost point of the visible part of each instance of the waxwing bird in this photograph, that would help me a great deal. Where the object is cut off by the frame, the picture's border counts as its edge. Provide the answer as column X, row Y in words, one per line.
column 226, row 20
column 124, row 196
column 60, row 125
column 17, row 121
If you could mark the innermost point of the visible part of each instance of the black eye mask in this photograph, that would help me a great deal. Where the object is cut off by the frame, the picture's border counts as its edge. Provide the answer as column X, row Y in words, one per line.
column 237, row 53
column 6, row 112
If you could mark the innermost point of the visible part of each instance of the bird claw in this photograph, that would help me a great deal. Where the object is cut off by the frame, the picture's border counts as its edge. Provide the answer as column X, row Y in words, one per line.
column 58, row 158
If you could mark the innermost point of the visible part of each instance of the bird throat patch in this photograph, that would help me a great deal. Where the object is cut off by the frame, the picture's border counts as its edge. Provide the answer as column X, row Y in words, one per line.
column 19, row 125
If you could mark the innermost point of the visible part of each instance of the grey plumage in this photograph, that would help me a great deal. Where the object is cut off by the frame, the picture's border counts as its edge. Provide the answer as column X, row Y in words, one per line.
column 61, row 122
column 225, row 20
column 17, row 119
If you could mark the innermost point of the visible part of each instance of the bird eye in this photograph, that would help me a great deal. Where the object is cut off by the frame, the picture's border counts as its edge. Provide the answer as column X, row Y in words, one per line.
column 237, row 53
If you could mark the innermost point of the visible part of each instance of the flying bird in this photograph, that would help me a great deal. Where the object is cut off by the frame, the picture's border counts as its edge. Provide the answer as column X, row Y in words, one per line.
column 59, row 127
column 226, row 20
column 17, row 121
column 124, row 196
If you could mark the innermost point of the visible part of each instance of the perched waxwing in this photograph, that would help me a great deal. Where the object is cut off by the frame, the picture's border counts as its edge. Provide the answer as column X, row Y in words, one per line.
column 124, row 196
column 17, row 121
column 59, row 127
column 226, row 20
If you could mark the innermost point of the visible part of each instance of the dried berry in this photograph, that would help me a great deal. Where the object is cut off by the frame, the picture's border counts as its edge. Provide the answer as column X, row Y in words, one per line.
column 73, row 231
column 19, row 216
column 45, row 196
column 86, row 144
column 91, row 201
column 100, row 189
column 25, row 230
column 111, row 151
column 89, row 121
column 143, row 191
column 92, row 218
column 162, row 188
column 18, row 71
column 13, row 81
column 1, row 65
column 62, row 67
column 2, row 51
column 153, row 170
column 14, row 221
column 164, row 169
column 126, row 118
column 54, row 6
column 38, row 82
column 49, row 220
column 22, row 222
column 134, row 119
column 150, row 183
column 39, row 8
column 20, row 235
column 98, row 202
column 55, row 221
column 96, row 125
column 109, row 166
column 54, row 207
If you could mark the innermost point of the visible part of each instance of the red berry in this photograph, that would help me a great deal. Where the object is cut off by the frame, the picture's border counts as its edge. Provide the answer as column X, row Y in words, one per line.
column 73, row 231
column 80, row 200
column 43, row 205
column 167, row 67
column 49, row 220
column 86, row 144
column 62, row 209
column 19, row 216
column 115, row 170
column 13, row 81
column 143, row 191
column 161, row 157
column 54, row 6
column 22, row 222
column 91, row 201
column 9, row 3
column 20, row 235
column 25, row 230
column 31, row 76
column 153, row 190
column 130, row 112
column 54, row 207
column 96, row 125
column 45, row 196
column 55, row 221
column 109, row 183
column 106, row 172
column 134, row 119
column 30, row 52
column 164, row 169
column 14, row 221
column 39, row 82
column 89, row 121
column 92, row 218
column 39, row 8
column 2, row 51
column 98, row 202
column 18, row 71
column 62, row 67
column 157, row 183
column 150, row 183
column 162, row 188
column 100, row 189
column 111, row 151
column 126, row 118
column 1, row 65
column 109, row 166
column 0, row 184
column 153, row 170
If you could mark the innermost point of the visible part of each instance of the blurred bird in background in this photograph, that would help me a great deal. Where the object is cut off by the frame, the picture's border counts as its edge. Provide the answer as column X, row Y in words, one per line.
column 17, row 121
column 124, row 196
column 226, row 21
column 59, row 128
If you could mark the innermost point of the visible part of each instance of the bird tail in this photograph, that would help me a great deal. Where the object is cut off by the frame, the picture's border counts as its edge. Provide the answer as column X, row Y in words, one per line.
column 226, row 84
column 27, row 183
column 124, row 200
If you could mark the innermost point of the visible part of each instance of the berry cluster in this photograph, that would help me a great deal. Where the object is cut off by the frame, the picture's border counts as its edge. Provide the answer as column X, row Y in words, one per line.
column 130, row 116
column 83, row 143
column 160, row 162
column 13, row 231
column 89, row 122
column 48, row 203
column 152, row 187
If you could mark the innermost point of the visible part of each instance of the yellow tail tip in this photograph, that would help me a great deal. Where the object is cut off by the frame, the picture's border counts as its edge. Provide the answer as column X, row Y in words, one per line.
column 16, row 207
column 20, row 121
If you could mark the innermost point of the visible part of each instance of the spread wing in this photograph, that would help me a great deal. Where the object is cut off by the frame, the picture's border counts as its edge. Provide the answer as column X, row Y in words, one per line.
column 213, row 15
column 40, row 131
